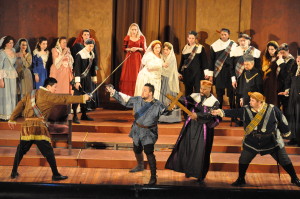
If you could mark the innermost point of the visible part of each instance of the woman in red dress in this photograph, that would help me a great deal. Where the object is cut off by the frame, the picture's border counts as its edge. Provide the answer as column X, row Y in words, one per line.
column 134, row 45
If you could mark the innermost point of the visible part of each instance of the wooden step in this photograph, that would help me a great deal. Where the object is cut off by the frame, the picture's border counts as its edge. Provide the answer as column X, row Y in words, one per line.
column 116, row 159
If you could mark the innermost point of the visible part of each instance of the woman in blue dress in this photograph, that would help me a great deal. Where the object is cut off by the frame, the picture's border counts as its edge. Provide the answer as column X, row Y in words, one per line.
column 8, row 76
column 39, row 60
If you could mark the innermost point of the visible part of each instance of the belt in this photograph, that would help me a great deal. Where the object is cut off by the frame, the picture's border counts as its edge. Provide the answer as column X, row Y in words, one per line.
column 34, row 119
column 145, row 127
column 262, row 135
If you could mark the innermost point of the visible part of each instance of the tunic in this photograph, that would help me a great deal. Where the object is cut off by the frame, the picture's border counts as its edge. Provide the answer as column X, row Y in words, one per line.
column 35, row 128
column 131, row 66
column 149, row 118
column 8, row 94
column 266, row 137
column 191, row 153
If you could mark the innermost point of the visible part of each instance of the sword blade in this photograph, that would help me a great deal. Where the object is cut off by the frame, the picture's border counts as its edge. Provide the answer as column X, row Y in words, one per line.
column 109, row 75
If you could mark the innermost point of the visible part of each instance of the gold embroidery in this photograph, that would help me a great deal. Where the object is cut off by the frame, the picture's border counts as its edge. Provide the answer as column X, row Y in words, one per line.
column 248, row 79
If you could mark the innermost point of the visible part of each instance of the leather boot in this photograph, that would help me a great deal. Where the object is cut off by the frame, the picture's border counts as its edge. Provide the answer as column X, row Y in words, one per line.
column 75, row 118
column 242, row 172
column 152, row 165
column 140, row 163
column 291, row 171
column 84, row 116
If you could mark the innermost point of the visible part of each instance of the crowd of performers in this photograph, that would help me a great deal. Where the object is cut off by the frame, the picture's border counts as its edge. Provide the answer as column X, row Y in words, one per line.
column 263, row 96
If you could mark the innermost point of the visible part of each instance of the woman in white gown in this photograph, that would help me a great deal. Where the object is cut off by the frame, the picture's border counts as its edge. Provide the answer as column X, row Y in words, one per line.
column 151, row 69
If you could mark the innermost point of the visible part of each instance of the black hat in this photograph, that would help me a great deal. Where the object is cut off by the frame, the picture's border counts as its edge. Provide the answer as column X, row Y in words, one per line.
column 192, row 32
column 248, row 58
column 90, row 41
column 245, row 36
column 283, row 46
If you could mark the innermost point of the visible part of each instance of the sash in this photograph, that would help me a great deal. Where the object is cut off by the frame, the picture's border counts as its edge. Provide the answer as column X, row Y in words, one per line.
column 190, row 58
column 240, row 63
column 85, row 72
column 36, row 109
column 256, row 120
column 221, row 59
column 143, row 110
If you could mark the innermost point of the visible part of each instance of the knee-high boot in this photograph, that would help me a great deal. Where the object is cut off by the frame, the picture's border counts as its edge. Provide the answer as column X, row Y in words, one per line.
column 291, row 171
column 75, row 118
column 242, row 172
column 152, row 164
column 140, row 163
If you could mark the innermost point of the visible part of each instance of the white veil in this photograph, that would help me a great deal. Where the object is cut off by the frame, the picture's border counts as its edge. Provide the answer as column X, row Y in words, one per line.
column 2, row 40
column 17, row 46
column 139, row 33
column 171, row 70
column 148, row 54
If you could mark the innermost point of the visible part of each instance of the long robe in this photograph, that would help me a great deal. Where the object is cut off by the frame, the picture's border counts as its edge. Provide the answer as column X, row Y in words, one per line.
column 150, row 118
column 8, row 94
column 191, row 153
column 293, row 112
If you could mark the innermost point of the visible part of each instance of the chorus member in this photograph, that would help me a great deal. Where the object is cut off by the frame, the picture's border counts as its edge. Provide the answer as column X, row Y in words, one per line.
column 8, row 77
column 135, row 45
column 285, row 62
column 62, row 66
column 152, row 68
column 24, row 66
column 39, row 61
column 270, row 75
column 194, row 66
column 220, row 60
column 85, row 73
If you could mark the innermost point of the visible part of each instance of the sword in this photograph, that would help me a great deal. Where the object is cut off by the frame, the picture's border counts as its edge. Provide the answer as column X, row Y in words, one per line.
column 91, row 93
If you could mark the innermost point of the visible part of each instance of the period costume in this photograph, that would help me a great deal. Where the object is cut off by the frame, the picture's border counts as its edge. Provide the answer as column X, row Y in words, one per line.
column 263, row 135
column 270, row 75
column 193, row 67
column 132, row 65
column 61, row 68
column 37, row 107
column 150, row 73
column 39, row 62
column 220, row 60
column 293, row 111
column 23, row 67
column 191, row 153
column 8, row 94
column 84, row 72
column 77, row 46
column 144, row 130
column 284, row 69
column 169, row 85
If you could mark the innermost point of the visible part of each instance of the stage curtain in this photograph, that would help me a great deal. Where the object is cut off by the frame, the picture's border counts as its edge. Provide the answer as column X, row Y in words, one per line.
column 158, row 19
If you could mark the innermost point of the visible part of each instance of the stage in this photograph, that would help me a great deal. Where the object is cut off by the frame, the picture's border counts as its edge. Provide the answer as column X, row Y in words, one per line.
column 102, row 156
